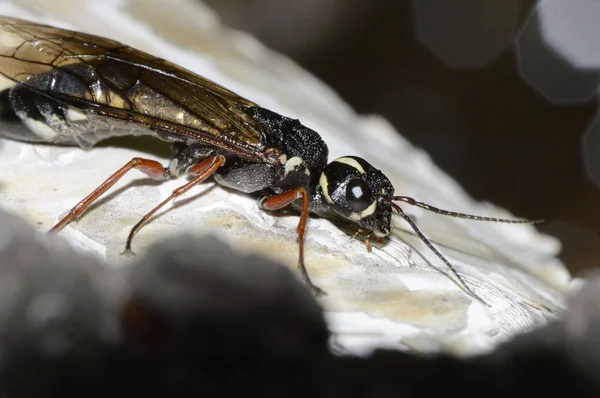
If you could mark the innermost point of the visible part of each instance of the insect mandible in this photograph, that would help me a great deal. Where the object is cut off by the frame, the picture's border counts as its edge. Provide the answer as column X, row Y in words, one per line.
column 70, row 88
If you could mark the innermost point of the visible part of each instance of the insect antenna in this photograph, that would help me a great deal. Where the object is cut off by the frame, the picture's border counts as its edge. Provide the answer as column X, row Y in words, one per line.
column 436, row 251
column 433, row 209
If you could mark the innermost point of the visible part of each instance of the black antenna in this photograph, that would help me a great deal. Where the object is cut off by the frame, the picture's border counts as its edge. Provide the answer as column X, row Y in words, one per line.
column 434, row 250
column 427, row 207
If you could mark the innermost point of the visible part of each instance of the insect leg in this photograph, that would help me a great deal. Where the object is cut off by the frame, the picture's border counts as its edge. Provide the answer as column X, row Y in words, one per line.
column 201, row 171
column 367, row 238
column 279, row 201
column 151, row 168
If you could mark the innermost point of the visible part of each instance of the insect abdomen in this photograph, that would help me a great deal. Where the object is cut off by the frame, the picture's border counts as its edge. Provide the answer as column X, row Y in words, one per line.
column 26, row 115
column 21, row 126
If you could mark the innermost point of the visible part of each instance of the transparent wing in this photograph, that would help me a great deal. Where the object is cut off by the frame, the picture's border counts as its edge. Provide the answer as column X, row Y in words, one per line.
column 109, row 79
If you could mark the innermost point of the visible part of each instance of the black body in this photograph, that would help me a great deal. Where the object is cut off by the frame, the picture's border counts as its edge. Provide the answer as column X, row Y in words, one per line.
column 25, row 110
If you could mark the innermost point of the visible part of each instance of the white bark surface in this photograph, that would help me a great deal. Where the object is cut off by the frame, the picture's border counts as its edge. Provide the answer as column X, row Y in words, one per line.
column 391, row 297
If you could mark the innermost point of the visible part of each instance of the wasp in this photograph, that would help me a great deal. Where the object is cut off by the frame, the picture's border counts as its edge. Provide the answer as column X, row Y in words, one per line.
column 70, row 88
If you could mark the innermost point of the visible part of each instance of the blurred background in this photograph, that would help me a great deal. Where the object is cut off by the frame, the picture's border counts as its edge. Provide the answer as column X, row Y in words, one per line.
column 501, row 93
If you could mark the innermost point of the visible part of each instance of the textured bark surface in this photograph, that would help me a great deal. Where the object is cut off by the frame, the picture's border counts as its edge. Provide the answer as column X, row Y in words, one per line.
column 392, row 297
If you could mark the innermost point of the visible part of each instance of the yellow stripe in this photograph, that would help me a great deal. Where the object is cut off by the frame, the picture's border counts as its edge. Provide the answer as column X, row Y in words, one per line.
column 324, row 184
column 352, row 163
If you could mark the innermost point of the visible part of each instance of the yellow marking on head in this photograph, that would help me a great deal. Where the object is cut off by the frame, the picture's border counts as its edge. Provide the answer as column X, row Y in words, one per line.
column 324, row 184
column 369, row 210
column 352, row 163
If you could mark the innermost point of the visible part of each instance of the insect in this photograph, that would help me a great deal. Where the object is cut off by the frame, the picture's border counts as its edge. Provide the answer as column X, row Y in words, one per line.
column 70, row 88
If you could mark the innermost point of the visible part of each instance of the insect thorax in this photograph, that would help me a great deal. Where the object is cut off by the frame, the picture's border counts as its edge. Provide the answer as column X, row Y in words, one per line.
column 296, row 156
column 291, row 138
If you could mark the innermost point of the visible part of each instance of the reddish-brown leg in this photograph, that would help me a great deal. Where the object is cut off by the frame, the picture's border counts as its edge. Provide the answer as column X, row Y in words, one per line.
column 368, row 241
column 202, row 171
column 279, row 201
column 367, row 238
column 151, row 168
column 360, row 231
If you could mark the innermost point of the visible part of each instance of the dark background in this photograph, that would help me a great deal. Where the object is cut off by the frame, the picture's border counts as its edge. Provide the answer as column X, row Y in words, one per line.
column 479, row 84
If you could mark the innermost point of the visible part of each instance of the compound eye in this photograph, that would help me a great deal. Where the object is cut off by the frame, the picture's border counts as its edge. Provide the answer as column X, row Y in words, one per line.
column 358, row 195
